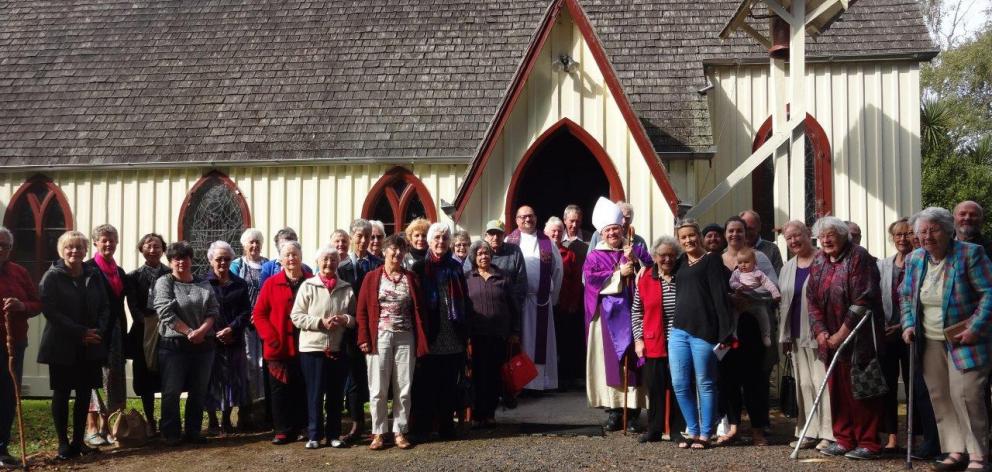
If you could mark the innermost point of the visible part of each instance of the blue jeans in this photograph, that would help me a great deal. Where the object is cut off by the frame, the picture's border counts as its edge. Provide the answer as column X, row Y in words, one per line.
column 8, row 402
column 183, row 367
column 688, row 356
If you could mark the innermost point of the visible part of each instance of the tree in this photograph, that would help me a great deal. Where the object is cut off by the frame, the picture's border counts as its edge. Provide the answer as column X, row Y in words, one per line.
column 952, row 173
column 962, row 79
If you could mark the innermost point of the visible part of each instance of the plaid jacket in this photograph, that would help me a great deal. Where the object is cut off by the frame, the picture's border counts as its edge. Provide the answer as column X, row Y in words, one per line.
column 967, row 294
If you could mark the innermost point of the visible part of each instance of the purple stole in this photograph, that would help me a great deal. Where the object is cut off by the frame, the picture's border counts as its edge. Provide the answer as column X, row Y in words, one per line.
column 545, row 246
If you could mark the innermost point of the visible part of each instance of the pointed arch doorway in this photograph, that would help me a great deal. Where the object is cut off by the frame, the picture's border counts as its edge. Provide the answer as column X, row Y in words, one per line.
column 564, row 166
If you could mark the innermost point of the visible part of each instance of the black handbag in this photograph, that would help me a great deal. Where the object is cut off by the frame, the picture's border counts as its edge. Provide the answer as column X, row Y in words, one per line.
column 787, row 399
column 868, row 381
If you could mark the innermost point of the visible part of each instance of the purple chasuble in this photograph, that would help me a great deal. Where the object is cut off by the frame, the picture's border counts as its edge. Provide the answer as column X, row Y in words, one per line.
column 614, row 310
column 545, row 246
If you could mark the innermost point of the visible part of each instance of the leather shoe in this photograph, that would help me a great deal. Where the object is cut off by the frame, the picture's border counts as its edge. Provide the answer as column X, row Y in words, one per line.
column 958, row 465
column 614, row 421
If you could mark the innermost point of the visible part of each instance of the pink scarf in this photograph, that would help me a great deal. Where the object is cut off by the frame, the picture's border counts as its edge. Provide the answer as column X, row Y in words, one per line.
column 329, row 283
column 109, row 269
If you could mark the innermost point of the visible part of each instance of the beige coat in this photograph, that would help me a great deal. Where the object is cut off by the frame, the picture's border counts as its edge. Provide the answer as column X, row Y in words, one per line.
column 313, row 304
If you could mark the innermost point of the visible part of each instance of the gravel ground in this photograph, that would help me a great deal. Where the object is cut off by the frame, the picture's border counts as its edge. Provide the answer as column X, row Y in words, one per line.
column 502, row 448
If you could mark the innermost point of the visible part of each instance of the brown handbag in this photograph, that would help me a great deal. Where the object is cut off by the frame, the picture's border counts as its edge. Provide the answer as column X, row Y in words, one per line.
column 128, row 428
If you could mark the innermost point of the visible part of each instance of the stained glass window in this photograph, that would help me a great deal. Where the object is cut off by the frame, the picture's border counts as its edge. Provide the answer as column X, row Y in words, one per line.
column 216, row 211
column 37, row 216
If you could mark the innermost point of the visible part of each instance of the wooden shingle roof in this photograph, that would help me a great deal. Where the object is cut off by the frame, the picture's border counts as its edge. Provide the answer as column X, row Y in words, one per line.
column 176, row 83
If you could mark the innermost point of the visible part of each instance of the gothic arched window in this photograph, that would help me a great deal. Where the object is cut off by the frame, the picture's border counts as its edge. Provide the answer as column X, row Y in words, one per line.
column 398, row 198
column 818, row 182
column 37, row 215
column 213, row 210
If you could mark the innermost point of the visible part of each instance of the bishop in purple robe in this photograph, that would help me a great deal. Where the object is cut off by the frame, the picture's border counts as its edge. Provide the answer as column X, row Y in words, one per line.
column 608, row 272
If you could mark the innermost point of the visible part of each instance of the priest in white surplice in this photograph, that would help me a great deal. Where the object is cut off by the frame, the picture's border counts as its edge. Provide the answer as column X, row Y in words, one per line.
column 544, row 272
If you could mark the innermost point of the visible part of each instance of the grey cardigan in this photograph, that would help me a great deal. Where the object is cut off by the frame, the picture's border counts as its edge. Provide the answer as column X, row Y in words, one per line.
column 192, row 303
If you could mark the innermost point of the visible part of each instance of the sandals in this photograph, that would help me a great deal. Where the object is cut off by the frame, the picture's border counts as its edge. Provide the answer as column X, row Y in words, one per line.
column 700, row 444
column 401, row 441
column 377, row 443
column 686, row 444
column 727, row 440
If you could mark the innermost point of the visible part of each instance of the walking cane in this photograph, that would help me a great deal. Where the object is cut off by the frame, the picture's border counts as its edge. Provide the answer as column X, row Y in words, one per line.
column 625, row 394
column 909, row 407
column 17, row 387
column 823, row 386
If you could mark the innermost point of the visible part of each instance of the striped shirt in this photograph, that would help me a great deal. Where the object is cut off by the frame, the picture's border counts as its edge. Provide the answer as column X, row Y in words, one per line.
column 668, row 306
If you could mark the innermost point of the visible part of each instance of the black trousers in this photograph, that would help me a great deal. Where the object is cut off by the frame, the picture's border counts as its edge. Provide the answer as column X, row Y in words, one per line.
column 324, row 383
column 289, row 402
column 435, row 393
column 570, row 336
column 743, row 379
column 895, row 361
column 664, row 415
column 488, row 357
column 60, row 415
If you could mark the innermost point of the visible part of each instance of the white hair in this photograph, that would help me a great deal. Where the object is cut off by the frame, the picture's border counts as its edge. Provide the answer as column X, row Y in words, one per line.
column 252, row 234
column 219, row 246
column 934, row 215
column 828, row 223
column 436, row 228
column 326, row 250
column 666, row 241
column 290, row 243
column 554, row 220
column 376, row 224
column 6, row 232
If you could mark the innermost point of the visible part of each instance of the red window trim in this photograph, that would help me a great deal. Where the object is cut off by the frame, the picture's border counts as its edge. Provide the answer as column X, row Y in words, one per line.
column 38, row 209
column 398, row 203
column 564, row 125
column 822, row 163
column 223, row 178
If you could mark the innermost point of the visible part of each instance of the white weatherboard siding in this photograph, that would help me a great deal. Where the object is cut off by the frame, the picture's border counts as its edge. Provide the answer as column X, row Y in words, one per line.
column 315, row 200
column 870, row 113
column 583, row 97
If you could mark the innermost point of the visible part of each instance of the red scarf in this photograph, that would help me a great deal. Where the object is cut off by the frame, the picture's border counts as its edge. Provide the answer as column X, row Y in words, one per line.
column 109, row 269
column 329, row 283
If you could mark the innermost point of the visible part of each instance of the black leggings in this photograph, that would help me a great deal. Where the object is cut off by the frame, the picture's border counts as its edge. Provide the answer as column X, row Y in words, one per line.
column 60, row 414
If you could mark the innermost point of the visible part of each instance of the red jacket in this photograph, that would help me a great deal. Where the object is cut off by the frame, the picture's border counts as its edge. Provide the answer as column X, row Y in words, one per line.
column 367, row 315
column 649, row 289
column 271, row 318
column 16, row 283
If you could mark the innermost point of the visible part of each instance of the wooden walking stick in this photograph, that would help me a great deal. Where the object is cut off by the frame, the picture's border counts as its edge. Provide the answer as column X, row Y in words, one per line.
column 625, row 394
column 17, row 387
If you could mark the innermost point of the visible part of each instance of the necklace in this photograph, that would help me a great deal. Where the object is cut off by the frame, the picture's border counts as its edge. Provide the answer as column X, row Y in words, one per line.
column 693, row 261
column 397, row 279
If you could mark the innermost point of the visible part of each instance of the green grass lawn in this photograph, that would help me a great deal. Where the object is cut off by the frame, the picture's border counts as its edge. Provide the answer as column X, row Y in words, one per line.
column 39, row 430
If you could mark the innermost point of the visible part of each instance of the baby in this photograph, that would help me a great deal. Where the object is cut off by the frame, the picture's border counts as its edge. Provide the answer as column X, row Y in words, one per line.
column 747, row 278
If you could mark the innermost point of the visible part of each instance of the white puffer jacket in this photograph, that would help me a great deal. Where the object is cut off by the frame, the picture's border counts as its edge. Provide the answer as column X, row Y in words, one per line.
column 313, row 304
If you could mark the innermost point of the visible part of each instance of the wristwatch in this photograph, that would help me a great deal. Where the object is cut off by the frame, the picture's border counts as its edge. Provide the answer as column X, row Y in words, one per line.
column 189, row 332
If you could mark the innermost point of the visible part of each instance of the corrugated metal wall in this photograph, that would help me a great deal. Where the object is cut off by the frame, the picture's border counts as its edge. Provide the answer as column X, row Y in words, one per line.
column 870, row 113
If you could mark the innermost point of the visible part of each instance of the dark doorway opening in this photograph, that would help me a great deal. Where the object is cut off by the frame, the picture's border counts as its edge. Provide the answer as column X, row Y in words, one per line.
column 562, row 171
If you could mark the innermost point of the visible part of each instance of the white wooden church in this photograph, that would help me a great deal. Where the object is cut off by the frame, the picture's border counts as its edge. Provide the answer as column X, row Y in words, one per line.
column 199, row 119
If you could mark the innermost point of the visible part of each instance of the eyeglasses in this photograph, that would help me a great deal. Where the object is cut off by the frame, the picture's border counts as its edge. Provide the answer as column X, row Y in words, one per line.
column 376, row 237
column 6, row 246
column 222, row 259
column 526, row 217
column 908, row 235
column 929, row 231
